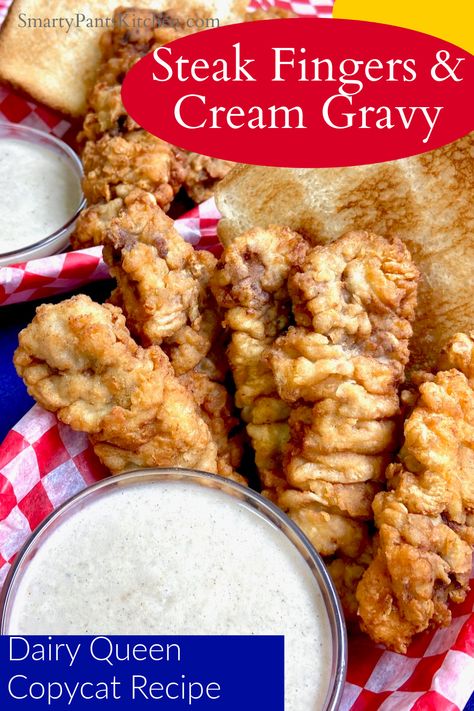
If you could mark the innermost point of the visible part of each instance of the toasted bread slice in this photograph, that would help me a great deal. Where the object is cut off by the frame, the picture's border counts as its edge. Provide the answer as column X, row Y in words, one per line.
column 426, row 200
column 56, row 66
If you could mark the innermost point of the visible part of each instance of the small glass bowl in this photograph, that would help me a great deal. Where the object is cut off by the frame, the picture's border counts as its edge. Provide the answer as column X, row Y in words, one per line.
column 250, row 499
column 58, row 240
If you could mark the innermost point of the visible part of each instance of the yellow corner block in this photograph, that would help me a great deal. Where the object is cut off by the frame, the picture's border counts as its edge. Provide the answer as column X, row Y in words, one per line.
column 453, row 21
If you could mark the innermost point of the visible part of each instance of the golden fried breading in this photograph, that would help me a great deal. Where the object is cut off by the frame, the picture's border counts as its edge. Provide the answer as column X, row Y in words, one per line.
column 115, row 165
column 250, row 285
column 162, row 290
column 200, row 347
column 459, row 353
column 339, row 369
column 202, row 175
column 346, row 574
column 106, row 113
column 191, row 335
column 135, row 33
column 137, row 214
column 345, row 433
column 78, row 360
column 198, row 357
column 93, row 222
column 118, row 155
column 161, row 278
column 421, row 564
column 320, row 398
column 107, row 121
column 329, row 527
column 359, row 291
column 434, row 477
column 142, row 29
column 425, row 522
column 217, row 411
column 189, row 348
column 197, row 354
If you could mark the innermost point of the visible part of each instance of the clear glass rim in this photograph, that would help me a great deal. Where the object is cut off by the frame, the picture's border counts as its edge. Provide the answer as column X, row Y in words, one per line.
column 269, row 510
column 30, row 134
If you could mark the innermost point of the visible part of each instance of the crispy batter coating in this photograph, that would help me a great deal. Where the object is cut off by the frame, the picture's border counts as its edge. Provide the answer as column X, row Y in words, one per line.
column 118, row 155
column 218, row 412
column 106, row 113
column 330, row 529
column 425, row 521
column 198, row 359
column 346, row 574
column 340, row 368
column 201, row 347
column 78, row 360
column 202, row 175
column 198, row 356
column 161, row 278
column 162, row 282
column 250, row 285
column 360, row 292
column 135, row 33
column 93, row 222
column 162, row 289
column 115, row 165
column 142, row 29
column 421, row 564
column 320, row 398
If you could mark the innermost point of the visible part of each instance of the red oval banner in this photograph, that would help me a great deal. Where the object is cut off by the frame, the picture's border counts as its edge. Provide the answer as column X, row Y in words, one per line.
column 304, row 92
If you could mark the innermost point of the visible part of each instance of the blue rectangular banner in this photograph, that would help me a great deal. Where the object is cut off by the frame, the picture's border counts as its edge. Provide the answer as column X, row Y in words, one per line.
column 225, row 673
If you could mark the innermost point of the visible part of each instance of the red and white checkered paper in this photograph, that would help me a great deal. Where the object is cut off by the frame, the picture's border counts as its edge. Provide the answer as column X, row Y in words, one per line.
column 42, row 278
column 43, row 463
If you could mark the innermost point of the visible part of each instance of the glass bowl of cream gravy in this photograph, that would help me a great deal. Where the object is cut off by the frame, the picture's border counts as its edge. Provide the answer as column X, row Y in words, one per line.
column 41, row 195
column 178, row 552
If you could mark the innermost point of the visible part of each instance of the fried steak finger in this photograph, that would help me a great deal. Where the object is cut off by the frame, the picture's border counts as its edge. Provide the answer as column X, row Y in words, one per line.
column 160, row 277
column 320, row 397
column 115, row 165
column 250, row 285
column 426, row 520
column 78, row 360
column 118, row 155
column 202, row 173
column 162, row 289
column 135, row 33
column 340, row 368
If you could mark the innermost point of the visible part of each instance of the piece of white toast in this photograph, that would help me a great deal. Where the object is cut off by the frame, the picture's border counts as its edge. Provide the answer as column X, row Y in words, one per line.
column 57, row 67
column 426, row 200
